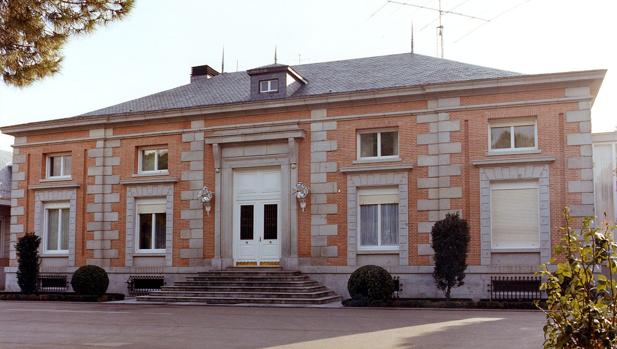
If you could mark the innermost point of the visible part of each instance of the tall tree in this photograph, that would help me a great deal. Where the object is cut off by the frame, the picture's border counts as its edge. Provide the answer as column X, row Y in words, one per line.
column 450, row 240
column 33, row 32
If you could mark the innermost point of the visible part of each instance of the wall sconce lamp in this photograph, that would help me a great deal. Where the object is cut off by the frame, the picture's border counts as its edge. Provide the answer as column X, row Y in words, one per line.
column 206, row 196
column 302, row 192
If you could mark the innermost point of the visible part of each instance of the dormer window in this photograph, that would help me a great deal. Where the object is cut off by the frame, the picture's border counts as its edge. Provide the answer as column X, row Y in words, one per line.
column 269, row 86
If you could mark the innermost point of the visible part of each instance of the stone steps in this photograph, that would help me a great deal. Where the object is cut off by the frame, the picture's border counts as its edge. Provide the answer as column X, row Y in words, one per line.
column 247, row 283
column 240, row 300
column 266, row 278
column 245, row 286
column 240, row 294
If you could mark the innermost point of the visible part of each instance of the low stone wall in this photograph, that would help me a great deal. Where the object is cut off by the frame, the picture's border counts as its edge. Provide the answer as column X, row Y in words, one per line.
column 417, row 281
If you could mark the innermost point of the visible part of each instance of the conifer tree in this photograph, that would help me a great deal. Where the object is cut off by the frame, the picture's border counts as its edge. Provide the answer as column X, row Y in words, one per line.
column 33, row 32
column 450, row 240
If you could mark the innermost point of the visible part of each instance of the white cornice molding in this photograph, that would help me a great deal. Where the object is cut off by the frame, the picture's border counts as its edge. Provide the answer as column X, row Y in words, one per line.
column 526, row 103
column 437, row 88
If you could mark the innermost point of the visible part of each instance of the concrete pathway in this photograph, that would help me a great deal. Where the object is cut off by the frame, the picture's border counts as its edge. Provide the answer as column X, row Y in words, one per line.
column 85, row 325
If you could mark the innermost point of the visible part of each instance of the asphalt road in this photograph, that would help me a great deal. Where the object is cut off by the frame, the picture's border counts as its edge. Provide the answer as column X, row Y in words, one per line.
column 82, row 325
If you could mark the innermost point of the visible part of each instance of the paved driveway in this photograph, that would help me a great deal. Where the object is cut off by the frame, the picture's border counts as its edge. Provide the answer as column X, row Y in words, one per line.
column 72, row 325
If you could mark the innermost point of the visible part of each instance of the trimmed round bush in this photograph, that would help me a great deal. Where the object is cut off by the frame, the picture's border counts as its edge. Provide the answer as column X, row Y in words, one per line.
column 90, row 280
column 371, row 283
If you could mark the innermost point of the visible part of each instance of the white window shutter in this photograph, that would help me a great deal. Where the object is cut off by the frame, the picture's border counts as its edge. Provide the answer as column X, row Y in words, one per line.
column 515, row 215
column 151, row 206
column 374, row 196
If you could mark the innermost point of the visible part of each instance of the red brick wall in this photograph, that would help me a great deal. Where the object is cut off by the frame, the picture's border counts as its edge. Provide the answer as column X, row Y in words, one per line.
column 473, row 136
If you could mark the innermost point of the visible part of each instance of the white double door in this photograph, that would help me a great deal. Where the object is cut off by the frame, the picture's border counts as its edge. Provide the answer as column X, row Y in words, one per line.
column 257, row 216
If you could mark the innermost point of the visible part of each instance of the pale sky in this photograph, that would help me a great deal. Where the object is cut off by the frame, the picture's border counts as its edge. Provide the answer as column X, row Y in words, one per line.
column 153, row 49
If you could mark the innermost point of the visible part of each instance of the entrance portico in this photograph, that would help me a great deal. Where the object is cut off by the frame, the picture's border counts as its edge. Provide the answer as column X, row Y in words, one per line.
column 255, row 172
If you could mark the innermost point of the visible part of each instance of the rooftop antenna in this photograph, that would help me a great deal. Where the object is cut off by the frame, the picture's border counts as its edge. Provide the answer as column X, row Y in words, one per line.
column 223, row 60
column 299, row 58
column 440, row 29
column 275, row 59
column 412, row 37
column 441, row 13
column 236, row 65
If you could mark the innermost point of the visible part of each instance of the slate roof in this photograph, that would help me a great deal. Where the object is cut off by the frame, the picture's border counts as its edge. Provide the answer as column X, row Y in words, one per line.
column 351, row 75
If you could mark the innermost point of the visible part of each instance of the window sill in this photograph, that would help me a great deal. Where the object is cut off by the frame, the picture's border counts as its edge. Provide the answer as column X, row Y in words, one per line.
column 512, row 152
column 149, row 254
column 55, row 255
column 378, row 251
column 151, row 173
column 162, row 179
column 376, row 160
column 64, row 184
column 56, row 179
column 513, row 160
column 516, row 250
column 377, row 167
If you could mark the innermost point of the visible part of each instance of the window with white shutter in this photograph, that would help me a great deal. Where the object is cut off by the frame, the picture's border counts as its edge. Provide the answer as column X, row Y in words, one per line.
column 515, row 217
column 378, row 223
column 151, row 225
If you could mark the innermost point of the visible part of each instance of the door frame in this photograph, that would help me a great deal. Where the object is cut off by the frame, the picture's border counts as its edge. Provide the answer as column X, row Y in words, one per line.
column 258, row 233
column 223, row 210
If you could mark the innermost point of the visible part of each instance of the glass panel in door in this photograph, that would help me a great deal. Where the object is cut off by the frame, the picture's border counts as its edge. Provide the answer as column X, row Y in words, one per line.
column 246, row 222
column 270, row 221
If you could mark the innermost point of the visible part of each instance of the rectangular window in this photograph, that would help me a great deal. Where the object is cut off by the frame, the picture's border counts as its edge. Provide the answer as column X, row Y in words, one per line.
column 378, row 223
column 377, row 145
column 515, row 215
column 513, row 135
column 56, row 228
column 151, row 225
column 59, row 166
column 153, row 160
column 269, row 86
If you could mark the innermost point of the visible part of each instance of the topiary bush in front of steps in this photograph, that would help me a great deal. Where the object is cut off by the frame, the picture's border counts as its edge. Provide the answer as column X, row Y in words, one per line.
column 90, row 280
column 370, row 285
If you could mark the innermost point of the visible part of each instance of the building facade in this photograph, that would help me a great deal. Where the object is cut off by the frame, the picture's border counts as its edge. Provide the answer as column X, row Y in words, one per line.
column 605, row 174
column 318, row 167
column 5, row 211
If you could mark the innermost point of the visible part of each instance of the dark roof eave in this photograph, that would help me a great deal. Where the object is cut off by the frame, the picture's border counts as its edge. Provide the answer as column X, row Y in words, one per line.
column 298, row 100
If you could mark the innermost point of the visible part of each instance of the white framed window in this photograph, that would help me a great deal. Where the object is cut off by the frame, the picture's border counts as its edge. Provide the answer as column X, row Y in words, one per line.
column 151, row 226
column 153, row 160
column 378, row 218
column 58, row 166
column 513, row 135
column 269, row 86
column 56, row 228
column 373, row 145
column 515, row 215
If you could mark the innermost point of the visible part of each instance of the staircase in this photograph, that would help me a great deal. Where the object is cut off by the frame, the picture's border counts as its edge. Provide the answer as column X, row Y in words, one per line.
column 246, row 286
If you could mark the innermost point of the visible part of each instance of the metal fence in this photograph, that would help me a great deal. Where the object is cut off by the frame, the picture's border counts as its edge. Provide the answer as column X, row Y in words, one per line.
column 515, row 288
column 52, row 282
column 139, row 285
